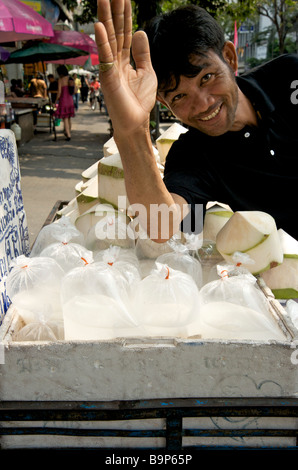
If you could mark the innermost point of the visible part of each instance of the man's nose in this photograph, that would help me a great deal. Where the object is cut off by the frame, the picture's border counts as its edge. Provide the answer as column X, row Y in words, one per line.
column 201, row 99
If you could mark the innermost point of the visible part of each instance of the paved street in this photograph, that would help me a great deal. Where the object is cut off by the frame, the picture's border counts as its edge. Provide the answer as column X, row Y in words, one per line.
column 50, row 169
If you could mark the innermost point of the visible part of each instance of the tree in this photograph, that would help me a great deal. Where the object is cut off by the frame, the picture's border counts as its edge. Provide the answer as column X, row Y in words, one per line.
column 283, row 14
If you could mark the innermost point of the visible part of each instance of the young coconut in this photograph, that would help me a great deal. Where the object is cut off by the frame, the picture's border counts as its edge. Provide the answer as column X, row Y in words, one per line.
column 283, row 279
column 89, row 196
column 165, row 140
column 215, row 218
column 253, row 233
column 111, row 182
column 84, row 222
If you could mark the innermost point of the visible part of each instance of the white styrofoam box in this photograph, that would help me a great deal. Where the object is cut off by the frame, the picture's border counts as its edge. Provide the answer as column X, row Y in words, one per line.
column 144, row 368
column 14, row 236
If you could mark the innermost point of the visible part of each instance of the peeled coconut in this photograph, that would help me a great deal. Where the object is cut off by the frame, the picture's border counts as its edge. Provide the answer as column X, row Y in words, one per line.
column 110, row 147
column 283, row 279
column 94, row 214
column 165, row 140
column 215, row 218
column 255, row 234
column 111, row 182
column 90, row 172
column 89, row 196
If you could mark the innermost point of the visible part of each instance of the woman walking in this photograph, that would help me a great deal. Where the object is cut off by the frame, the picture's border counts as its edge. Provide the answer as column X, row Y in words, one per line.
column 65, row 109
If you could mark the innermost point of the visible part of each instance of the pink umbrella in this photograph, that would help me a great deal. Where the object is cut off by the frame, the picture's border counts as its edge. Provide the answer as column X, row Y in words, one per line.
column 19, row 22
column 77, row 40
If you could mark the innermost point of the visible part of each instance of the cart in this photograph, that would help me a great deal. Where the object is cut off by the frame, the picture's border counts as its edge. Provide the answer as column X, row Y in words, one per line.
column 164, row 396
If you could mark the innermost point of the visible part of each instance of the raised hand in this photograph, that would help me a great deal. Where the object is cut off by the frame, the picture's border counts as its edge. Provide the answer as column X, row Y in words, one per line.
column 129, row 93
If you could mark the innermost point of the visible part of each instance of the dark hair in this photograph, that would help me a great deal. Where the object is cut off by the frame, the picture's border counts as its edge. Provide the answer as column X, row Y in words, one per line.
column 62, row 71
column 175, row 37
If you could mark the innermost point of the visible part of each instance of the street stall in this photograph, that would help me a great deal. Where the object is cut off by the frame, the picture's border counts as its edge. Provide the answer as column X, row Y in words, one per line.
column 111, row 341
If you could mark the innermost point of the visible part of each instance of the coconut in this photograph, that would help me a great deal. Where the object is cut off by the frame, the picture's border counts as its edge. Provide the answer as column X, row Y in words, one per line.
column 255, row 234
column 89, row 218
column 89, row 196
column 111, row 184
column 283, row 279
column 215, row 218
column 90, row 172
column 110, row 147
column 165, row 140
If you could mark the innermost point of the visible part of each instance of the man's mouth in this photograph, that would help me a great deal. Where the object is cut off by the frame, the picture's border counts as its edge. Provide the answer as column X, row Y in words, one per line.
column 212, row 115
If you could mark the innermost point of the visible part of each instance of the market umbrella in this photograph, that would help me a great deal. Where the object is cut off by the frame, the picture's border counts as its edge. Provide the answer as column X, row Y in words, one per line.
column 19, row 22
column 42, row 52
column 78, row 40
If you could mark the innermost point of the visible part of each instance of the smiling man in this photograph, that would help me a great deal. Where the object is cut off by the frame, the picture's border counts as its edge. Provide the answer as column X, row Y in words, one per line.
column 241, row 147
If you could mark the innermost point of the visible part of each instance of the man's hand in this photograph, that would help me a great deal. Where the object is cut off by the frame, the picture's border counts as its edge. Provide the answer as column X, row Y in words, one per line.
column 129, row 93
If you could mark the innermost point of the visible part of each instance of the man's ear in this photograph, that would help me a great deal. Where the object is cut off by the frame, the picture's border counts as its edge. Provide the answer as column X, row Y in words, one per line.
column 230, row 55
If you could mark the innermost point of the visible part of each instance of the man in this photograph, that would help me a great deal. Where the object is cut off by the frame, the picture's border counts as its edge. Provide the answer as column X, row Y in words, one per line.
column 76, row 95
column 241, row 147
column 94, row 92
column 53, row 88
column 38, row 87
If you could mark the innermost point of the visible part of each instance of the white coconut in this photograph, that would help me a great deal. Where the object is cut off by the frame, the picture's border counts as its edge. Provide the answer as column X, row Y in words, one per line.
column 167, row 138
column 110, row 147
column 89, row 196
column 94, row 214
column 255, row 234
column 111, row 184
column 283, row 279
column 90, row 172
column 215, row 218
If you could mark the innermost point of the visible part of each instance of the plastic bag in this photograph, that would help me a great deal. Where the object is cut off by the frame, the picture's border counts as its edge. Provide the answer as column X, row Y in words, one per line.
column 180, row 259
column 292, row 310
column 62, row 230
column 96, row 303
column 68, row 255
column 166, row 302
column 232, row 307
column 111, row 230
column 117, row 253
column 125, row 261
column 34, row 283
column 41, row 329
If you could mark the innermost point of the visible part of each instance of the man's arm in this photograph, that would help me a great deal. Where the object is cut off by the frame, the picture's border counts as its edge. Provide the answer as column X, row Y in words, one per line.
column 130, row 95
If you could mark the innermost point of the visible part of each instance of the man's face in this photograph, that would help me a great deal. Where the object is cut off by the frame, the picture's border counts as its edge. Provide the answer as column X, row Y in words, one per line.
column 208, row 101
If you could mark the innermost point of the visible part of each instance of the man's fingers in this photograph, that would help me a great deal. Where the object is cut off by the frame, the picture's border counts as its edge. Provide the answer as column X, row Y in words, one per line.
column 105, row 52
column 105, row 17
column 141, row 51
column 127, row 28
column 117, row 7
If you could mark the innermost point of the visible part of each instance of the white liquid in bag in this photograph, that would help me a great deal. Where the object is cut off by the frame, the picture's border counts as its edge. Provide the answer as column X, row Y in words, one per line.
column 95, row 316
column 227, row 320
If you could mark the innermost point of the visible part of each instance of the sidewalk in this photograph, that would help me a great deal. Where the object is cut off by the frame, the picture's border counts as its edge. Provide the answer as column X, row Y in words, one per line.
column 50, row 169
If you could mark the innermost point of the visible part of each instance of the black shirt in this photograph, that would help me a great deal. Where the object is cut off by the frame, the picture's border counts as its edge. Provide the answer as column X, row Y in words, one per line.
column 251, row 169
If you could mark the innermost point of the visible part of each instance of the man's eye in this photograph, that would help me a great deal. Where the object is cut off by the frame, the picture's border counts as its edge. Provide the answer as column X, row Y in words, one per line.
column 177, row 98
column 206, row 77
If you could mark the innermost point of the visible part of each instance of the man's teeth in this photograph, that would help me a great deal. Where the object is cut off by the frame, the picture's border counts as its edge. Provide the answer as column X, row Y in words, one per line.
column 207, row 118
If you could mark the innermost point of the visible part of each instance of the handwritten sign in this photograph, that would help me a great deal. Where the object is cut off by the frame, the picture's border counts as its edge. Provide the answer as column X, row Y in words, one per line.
column 14, row 236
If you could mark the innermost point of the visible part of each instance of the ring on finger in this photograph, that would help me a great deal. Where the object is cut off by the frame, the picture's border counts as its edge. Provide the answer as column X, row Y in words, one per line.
column 105, row 66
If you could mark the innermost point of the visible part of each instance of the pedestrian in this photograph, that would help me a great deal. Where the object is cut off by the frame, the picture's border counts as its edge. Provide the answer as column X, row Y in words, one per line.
column 76, row 95
column 84, row 88
column 65, row 106
column 53, row 88
column 241, row 144
column 38, row 87
column 94, row 92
